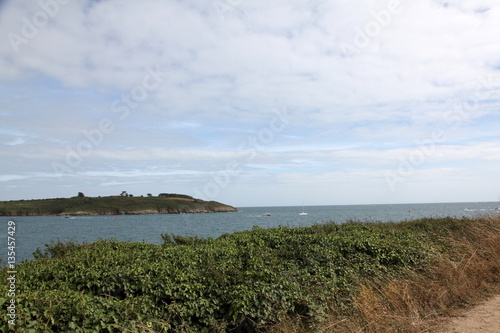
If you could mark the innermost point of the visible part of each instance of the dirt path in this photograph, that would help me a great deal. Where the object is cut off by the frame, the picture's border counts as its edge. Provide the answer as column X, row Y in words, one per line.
column 484, row 318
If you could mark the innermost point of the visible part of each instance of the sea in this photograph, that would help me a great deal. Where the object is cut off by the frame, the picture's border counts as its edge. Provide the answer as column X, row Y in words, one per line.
column 33, row 232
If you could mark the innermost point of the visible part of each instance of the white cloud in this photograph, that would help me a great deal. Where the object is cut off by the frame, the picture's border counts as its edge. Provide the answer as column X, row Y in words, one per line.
column 429, row 65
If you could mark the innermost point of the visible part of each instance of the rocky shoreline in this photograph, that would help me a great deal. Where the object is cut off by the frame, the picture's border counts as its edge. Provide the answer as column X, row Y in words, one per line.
column 140, row 212
column 156, row 212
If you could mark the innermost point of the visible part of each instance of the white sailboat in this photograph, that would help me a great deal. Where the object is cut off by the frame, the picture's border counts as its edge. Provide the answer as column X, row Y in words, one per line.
column 303, row 212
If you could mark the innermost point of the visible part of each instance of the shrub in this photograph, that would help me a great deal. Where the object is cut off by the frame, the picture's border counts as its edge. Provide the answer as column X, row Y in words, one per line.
column 244, row 281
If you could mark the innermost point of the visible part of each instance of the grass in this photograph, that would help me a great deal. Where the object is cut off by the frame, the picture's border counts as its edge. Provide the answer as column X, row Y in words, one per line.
column 354, row 277
column 463, row 269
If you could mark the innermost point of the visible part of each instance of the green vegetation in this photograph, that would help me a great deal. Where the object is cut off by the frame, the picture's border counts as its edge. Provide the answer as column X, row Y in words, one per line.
column 328, row 277
column 174, row 195
column 113, row 205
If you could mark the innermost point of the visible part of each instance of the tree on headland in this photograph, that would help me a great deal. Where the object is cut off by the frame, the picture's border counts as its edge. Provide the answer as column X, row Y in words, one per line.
column 124, row 194
column 174, row 195
column 81, row 195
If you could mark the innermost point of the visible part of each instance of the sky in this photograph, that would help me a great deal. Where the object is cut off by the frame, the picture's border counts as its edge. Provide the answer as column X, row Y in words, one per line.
column 251, row 103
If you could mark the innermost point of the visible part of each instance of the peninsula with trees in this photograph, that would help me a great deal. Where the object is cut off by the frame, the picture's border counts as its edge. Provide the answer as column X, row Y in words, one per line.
column 121, row 204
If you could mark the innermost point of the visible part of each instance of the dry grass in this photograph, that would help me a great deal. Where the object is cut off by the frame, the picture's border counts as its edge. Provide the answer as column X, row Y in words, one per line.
column 463, row 273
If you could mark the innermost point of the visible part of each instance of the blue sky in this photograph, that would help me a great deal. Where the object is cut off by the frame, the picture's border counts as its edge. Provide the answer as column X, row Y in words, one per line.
column 251, row 103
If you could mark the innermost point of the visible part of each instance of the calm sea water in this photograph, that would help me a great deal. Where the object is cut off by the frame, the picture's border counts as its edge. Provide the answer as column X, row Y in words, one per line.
column 34, row 232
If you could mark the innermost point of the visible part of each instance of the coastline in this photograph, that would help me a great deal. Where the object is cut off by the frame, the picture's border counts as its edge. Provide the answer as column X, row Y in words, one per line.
column 113, row 205
column 141, row 212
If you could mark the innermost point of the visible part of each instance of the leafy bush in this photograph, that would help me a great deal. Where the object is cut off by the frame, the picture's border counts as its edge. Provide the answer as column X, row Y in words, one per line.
column 242, row 281
column 56, row 249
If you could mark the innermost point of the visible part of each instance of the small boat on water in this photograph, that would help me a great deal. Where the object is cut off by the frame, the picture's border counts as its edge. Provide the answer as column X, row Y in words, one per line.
column 303, row 213
column 266, row 214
